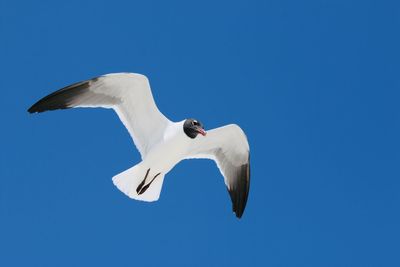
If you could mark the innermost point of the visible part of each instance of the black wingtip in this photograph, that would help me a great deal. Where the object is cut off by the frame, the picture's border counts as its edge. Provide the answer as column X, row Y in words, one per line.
column 61, row 99
column 40, row 106
column 238, row 215
column 33, row 109
column 45, row 104
column 240, row 194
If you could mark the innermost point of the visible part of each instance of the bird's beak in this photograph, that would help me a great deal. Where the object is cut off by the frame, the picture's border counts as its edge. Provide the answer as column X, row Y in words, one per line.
column 201, row 131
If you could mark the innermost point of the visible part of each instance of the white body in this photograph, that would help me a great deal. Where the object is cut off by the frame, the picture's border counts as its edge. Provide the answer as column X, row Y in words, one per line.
column 161, row 142
column 162, row 157
column 166, row 154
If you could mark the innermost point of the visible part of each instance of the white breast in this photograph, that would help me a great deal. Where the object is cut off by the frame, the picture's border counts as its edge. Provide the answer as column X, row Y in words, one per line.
column 170, row 151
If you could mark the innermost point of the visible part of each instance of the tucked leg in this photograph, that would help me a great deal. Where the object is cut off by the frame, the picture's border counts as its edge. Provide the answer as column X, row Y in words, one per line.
column 139, row 188
column 142, row 190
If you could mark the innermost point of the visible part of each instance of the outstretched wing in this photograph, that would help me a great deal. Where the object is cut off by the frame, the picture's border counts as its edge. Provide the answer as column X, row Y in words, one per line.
column 129, row 94
column 229, row 148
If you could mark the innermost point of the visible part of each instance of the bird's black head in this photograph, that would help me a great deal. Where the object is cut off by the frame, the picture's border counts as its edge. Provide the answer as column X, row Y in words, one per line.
column 193, row 127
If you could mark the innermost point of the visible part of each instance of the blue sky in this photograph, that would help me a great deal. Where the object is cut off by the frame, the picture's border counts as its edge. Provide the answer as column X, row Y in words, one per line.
column 314, row 84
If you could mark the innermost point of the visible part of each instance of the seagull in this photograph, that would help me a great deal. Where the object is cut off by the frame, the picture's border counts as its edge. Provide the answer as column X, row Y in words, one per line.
column 161, row 143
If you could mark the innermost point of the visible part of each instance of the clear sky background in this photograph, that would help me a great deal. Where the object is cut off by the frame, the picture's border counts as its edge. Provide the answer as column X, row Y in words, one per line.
column 314, row 84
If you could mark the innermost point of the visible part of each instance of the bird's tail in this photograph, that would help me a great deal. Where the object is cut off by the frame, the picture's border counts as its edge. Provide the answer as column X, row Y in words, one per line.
column 133, row 183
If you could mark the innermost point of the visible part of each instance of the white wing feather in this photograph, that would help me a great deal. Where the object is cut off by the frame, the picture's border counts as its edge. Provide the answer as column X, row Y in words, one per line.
column 129, row 94
column 229, row 148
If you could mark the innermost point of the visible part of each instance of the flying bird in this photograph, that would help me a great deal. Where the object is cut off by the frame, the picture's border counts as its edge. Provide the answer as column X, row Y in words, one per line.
column 162, row 143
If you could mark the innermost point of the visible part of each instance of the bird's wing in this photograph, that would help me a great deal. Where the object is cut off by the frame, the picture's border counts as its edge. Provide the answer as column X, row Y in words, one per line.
column 129, row 94
column 229, row 148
